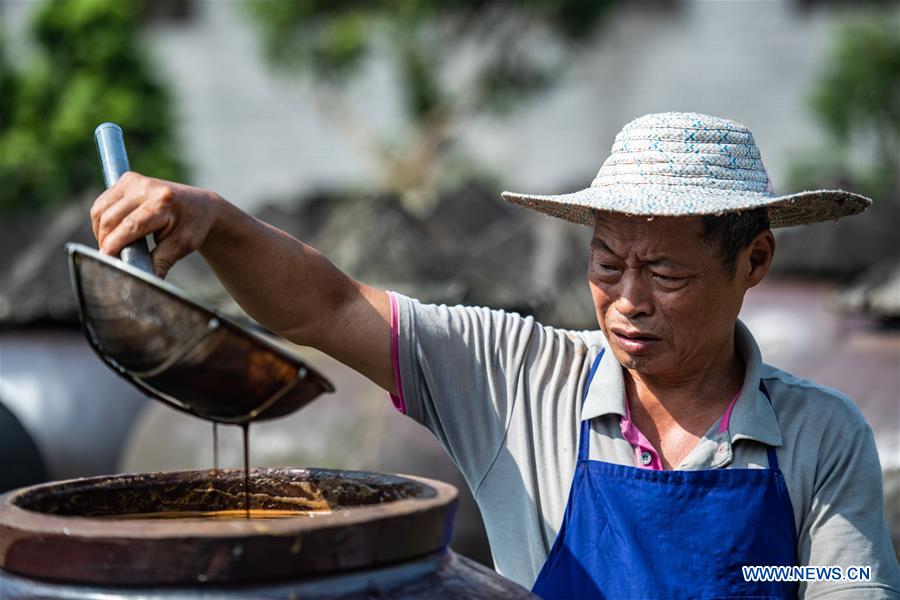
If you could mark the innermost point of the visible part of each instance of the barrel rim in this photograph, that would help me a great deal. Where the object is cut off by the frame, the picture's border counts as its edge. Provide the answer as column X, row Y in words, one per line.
column 131, row 552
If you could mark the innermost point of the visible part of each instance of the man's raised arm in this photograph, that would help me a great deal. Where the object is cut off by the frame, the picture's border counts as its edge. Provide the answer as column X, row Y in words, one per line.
column 286, row 285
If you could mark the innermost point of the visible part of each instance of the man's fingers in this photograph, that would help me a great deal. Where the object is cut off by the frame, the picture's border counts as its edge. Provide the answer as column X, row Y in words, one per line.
column 110, row 219
column 135, row 225
column 100, row 206
column 111, row 197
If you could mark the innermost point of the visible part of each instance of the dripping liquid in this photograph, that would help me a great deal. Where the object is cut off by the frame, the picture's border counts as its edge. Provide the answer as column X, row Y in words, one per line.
column 246, row 431
column 216, row 447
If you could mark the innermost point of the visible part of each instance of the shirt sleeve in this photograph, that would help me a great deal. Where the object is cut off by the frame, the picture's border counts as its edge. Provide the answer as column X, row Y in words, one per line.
column 846, row 524
column 457, row 370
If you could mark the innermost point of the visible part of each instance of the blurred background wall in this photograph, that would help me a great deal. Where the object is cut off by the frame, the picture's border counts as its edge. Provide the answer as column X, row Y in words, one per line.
column 383, row 136
column 257, row 136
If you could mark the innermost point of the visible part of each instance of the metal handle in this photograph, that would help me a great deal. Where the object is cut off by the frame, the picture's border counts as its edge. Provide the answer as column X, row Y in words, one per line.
column 114, row 160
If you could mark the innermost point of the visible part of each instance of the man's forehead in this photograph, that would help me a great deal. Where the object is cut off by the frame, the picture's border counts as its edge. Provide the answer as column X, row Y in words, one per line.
column 670, row 237
column 676, row 229
column 608, row 220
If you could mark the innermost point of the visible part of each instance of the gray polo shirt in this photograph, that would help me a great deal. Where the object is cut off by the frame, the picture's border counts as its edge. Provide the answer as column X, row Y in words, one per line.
column 502, row 394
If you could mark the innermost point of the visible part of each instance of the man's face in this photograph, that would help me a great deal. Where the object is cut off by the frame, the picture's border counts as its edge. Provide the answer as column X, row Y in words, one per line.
column 663, row 297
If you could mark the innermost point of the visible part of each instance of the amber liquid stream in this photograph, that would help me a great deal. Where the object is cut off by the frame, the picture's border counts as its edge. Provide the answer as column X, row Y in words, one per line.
column 216, row 447
column 245, row 430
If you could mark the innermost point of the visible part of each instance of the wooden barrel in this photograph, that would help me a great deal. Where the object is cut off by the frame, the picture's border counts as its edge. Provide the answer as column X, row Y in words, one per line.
column 349, row 534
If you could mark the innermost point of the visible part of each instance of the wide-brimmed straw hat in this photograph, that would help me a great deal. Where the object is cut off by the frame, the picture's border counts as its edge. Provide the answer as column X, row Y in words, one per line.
column 687, row 164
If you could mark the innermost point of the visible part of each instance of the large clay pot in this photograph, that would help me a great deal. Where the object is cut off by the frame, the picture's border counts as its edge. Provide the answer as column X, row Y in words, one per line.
column 359, row 535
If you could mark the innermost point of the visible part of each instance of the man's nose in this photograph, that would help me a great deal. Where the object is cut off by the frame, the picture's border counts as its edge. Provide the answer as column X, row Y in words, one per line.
column 635, row 296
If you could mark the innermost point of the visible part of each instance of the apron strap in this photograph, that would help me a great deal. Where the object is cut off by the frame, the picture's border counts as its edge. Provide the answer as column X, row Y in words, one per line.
column 770, row 450
column 584, row 442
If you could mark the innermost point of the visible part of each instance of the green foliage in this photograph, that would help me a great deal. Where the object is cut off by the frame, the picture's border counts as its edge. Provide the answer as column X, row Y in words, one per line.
column 89, row 68
column 520, row 49
column 861, row 87
column 857, row 99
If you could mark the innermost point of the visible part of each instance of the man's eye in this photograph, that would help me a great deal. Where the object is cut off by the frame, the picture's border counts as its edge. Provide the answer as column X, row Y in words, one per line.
column 667, row 278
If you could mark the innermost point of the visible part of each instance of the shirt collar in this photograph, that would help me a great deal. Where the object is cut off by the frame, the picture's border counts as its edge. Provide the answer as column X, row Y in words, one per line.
column 606, row 393
column 753, row 417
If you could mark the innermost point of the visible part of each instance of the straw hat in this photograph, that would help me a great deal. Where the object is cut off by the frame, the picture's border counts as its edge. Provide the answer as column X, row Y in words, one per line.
column 683, row 164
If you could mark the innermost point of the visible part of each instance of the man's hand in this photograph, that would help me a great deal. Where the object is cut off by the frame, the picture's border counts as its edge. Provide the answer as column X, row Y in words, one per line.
column 178, row 216
column 285, row 285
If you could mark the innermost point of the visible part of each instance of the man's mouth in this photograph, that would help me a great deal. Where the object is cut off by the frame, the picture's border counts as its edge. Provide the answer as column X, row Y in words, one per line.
column 634, row 342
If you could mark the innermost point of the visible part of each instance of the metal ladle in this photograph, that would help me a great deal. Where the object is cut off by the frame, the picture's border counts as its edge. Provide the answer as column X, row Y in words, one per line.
column 177, row 350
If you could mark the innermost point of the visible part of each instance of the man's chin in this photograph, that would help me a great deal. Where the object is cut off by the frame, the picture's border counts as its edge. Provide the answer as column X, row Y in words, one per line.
column 643, row 362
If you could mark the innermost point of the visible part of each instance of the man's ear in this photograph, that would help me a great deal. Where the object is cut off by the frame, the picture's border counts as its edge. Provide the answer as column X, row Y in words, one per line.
column 757, row 258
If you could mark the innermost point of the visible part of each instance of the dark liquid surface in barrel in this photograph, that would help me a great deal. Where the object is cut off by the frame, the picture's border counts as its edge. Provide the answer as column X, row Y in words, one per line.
column 223, row 515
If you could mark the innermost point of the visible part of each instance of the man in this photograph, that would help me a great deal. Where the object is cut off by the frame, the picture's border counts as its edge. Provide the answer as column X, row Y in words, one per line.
column 653, row 458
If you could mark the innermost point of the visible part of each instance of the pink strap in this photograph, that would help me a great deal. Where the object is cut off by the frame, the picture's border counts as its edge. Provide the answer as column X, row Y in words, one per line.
column 639, row 441
column 726, row 418
column 396, row 399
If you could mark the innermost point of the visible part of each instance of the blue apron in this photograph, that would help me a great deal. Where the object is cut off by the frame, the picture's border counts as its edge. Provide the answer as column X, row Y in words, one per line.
column 636, row 533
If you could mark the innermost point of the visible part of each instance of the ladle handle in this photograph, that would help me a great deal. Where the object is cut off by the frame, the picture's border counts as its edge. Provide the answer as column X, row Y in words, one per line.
column 114, row 160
